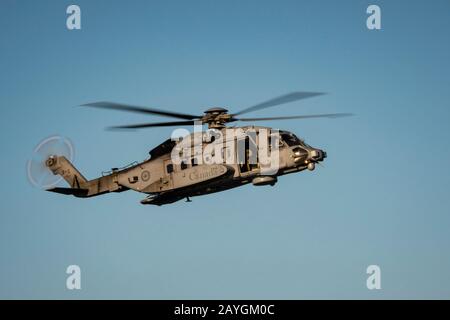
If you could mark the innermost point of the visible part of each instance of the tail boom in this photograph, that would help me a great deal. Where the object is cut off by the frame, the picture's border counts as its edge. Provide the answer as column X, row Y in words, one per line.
column 79, row 185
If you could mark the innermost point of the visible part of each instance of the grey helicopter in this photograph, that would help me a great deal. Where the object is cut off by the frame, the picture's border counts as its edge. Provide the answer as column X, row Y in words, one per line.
column 165, row 180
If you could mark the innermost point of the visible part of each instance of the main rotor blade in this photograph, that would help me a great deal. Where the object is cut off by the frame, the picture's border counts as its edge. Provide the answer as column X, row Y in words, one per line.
column 130, row 108
column 153, row 124
column 290, row 97
column 328, row 115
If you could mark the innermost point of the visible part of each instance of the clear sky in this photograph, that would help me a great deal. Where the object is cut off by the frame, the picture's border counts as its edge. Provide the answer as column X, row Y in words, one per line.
column 382, row 197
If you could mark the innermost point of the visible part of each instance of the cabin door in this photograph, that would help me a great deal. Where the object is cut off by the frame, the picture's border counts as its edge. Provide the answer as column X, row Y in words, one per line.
column 247, row 155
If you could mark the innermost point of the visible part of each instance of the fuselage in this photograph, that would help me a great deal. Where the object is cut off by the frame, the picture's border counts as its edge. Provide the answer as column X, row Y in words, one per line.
column 165, row 179
column 199, row 163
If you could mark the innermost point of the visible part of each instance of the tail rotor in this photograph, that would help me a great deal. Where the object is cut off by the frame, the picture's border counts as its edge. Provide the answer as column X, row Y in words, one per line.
column 44, row 156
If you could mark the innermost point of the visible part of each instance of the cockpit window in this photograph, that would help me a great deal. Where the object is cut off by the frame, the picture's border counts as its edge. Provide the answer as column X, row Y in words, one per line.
column 290, row 139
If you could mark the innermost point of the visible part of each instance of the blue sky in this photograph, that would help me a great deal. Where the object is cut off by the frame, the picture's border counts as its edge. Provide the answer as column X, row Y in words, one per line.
column 382, row 197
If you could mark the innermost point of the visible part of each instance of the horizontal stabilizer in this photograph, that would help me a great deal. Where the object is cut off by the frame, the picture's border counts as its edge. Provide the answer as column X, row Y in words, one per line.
column 70, row 191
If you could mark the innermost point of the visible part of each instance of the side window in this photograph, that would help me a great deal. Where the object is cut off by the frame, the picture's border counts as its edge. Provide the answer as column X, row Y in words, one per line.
column 194, row 162
column 169, row 168
column 183, row 165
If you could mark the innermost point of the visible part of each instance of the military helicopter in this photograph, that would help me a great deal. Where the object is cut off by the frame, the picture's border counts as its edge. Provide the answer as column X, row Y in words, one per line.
column 165, row 181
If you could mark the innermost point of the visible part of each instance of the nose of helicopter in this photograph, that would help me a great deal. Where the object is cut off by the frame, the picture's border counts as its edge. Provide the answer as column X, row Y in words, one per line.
column 309, row 157
column 317, row 155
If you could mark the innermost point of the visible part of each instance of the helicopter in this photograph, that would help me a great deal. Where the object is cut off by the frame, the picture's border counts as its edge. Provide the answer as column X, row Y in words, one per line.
column 166, row 181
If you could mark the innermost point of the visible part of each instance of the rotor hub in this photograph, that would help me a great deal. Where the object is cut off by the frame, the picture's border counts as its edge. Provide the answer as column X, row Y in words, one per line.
column 216, row 117
column 216, row 110
column 50, row 161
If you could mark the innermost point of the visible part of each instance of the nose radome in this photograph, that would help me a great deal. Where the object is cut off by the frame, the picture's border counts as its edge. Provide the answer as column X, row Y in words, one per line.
column 317, row 154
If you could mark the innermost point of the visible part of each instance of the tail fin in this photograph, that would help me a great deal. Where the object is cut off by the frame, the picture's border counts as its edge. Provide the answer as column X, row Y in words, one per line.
column 61, row 166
